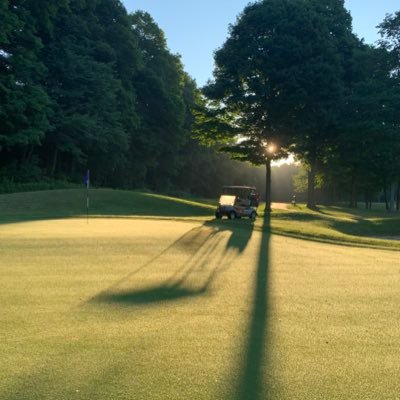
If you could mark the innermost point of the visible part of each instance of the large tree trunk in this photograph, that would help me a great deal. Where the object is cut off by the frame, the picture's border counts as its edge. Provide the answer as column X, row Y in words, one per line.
column 311, row 203
column 268, row 186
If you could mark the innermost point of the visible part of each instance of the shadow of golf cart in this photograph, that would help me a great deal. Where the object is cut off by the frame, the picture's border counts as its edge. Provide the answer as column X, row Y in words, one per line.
column 237, row 202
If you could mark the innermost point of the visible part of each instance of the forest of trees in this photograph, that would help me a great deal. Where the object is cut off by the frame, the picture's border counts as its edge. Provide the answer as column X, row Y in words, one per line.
column 85, row 85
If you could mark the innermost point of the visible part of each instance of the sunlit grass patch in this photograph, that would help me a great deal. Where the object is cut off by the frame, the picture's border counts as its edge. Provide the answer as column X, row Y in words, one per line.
column 376, row 228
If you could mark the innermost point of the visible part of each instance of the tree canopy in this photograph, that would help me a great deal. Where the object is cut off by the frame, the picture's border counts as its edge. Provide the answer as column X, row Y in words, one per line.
column 293, row 73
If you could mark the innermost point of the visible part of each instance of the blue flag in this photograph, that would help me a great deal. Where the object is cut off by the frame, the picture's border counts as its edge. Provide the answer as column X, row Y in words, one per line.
column 86, row 179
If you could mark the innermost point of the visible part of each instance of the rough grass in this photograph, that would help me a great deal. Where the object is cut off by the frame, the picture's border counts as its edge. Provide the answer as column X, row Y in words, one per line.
column 146, row 309
column 371, row 228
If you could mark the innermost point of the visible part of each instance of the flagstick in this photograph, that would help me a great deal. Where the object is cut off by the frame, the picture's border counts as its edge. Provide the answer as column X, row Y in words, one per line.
column 87, row 196
column 87, row 205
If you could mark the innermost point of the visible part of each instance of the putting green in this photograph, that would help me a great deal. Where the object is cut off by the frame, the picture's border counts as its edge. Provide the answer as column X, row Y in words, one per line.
column 147, row 309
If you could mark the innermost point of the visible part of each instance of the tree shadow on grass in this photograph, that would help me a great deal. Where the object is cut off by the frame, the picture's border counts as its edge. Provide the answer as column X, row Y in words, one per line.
column 354, row 225
column 201, row 244
column 241, row 232
column 190, row 241
column 191, row 278
column 253, row 371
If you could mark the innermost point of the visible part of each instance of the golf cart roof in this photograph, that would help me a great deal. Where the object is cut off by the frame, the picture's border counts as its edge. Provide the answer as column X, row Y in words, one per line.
column 239, row 187
column 239, row 191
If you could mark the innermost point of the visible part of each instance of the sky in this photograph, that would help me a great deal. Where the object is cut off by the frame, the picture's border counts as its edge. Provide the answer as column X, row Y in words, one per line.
column 196, row 28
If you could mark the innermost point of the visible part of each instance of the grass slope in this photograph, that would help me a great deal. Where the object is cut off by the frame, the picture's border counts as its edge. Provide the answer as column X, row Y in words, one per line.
column 373, row 228
column 103, row 202
column 147, row 309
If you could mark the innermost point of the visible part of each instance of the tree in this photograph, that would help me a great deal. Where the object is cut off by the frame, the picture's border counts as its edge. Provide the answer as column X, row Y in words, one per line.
column 356, row 152
column 390, row 32
column 281, row 73
column 85, row 88
column 24, row 104
column 159, row 86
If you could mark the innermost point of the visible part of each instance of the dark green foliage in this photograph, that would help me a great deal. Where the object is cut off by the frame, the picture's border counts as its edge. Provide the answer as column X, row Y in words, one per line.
column 87, row 122
column 7, row 186
column 363, row 160
column 24, row 105
column 159, row 86
column 85, row 85
column 390, row 32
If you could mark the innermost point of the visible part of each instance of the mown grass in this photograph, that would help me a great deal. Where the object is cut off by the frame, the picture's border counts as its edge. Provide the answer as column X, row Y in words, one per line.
column 156, row 309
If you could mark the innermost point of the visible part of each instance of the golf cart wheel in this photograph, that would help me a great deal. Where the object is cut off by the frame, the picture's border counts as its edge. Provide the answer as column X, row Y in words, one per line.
column 232, row 215
column 253, row 215
column 218, row 215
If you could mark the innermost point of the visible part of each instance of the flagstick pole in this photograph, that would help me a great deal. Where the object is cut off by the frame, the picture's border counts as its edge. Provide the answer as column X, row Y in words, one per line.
column 87, row 197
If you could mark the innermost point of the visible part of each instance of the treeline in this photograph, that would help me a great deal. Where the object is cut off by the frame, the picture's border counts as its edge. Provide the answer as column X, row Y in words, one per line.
column 85, row 85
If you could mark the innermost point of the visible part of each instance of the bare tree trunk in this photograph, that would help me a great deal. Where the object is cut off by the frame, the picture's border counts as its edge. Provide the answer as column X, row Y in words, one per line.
column 268, row 186
column 24, row 155
column 54, row 164
column 353, row 200
column 392, row 196
column 311, row 186
column 30, row 153
column 333, row 194
column 385, row 197
column 72, row 173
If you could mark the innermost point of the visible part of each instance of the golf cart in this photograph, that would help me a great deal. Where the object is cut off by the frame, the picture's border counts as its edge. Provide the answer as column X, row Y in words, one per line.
column 237, row 202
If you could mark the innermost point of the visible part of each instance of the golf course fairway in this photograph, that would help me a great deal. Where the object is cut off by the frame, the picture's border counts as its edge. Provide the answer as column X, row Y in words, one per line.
column 160, row 309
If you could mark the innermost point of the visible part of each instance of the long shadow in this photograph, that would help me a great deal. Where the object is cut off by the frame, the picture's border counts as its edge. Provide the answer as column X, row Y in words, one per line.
column 356, row 225
column 241, row 231
column 252, row 384
column 192, row 240
column 200, row 243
